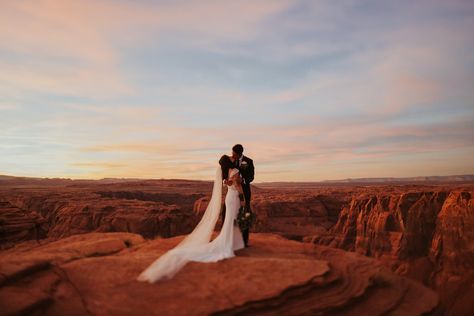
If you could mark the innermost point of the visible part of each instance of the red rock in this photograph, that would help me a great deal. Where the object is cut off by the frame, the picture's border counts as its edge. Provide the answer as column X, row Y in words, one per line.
column 420, row 231
column 96, row 274
column 18, row 225
column 452, row 252
column 428, row 236
column 57, row 212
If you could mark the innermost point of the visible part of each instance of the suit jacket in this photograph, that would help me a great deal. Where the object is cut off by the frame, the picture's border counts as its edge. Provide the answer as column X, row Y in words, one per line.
column 247, row 169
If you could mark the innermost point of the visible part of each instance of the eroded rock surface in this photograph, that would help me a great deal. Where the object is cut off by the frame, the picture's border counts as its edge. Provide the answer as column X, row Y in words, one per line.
column 95, row 274
column 150, row 208
column 428, row 236
column 420, row 231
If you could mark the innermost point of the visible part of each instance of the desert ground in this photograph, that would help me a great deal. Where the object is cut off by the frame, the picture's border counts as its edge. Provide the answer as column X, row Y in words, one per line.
column 75, row 247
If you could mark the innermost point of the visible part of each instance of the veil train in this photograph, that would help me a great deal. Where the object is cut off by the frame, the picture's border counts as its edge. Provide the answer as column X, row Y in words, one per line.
column 192, row 246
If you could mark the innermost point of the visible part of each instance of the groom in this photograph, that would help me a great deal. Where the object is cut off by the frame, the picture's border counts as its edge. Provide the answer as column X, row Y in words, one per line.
column 247, row 172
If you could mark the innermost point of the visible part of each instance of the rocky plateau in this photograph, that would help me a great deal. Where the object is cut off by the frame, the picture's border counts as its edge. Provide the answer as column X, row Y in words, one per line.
column 76, row 246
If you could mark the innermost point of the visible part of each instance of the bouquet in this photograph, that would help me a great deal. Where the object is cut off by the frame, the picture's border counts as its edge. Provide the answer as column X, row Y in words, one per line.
column 245, row 218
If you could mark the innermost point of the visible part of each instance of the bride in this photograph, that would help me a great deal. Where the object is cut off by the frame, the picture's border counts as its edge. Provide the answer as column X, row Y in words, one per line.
column 197, row 245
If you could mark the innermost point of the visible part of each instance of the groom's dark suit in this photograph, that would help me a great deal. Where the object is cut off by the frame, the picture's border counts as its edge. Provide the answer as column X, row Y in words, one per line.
column 247, row 171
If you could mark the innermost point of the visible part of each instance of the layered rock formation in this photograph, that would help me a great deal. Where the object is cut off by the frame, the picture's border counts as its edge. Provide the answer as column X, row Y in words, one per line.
column 95, row 274
column 297, row 215
column 17, row 225
column 423, row 232
column 428, row 236
column 293, row 214
column 54, row 212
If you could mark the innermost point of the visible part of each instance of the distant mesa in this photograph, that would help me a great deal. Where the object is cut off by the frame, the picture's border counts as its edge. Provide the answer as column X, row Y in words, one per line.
column 452, row 178
column 419, row 179
column 466, row 178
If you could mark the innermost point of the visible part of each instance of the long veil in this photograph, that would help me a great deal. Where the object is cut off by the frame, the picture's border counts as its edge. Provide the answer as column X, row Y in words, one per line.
column 172, row 261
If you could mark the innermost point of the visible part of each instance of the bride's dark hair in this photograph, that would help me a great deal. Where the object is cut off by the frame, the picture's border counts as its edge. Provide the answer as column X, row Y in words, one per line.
column 226, row 164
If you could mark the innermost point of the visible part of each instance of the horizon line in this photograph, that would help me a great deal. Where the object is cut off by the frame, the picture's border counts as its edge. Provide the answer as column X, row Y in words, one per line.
column 365, row 179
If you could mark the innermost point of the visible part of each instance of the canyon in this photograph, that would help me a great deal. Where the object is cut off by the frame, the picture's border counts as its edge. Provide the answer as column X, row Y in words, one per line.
column 406, row 238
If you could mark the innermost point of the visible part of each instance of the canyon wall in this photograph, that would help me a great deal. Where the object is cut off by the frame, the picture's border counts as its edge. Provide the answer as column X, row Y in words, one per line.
column 427, row 236
column 54, row 213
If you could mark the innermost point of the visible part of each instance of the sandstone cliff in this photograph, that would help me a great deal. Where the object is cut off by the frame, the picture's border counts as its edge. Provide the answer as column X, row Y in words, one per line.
column 428, row 236
column 37, row 212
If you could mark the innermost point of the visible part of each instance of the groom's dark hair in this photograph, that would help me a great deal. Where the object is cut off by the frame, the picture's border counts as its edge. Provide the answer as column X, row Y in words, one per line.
column 238, row 149
column 226, row 164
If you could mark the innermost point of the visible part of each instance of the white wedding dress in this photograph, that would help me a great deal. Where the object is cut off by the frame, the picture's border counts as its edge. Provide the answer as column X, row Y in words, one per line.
column 197, row 245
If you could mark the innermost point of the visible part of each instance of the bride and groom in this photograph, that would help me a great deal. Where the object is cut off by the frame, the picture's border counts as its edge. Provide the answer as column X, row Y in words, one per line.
column 236, row 172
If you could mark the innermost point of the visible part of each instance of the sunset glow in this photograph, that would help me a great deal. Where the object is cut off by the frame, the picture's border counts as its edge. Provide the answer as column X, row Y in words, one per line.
column 314, row 90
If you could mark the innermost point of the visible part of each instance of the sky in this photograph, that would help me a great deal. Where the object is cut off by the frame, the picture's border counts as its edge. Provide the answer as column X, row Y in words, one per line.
column 313, row 90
